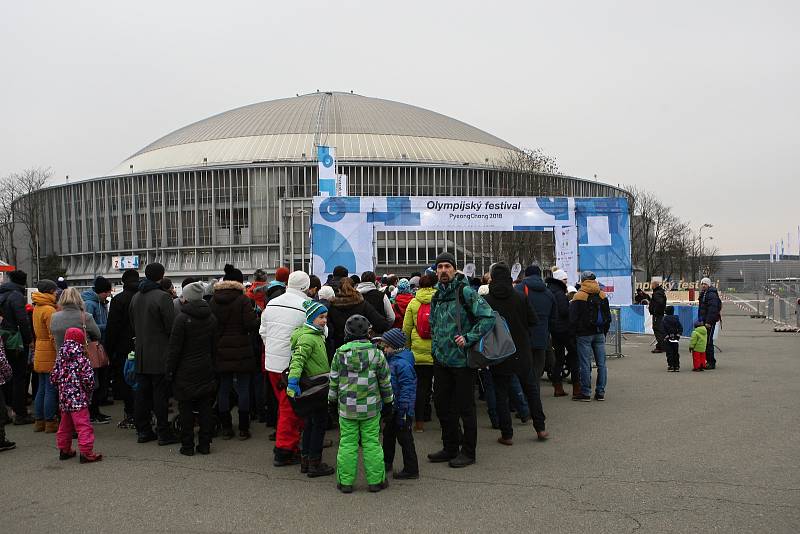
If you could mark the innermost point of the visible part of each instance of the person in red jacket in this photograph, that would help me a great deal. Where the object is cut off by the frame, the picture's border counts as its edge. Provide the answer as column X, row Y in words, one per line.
column 404, row 296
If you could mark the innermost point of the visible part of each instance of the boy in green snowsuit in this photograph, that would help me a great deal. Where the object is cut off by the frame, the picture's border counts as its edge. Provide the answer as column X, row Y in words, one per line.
column 361, row 387
column 697, row 346
column 310, row 360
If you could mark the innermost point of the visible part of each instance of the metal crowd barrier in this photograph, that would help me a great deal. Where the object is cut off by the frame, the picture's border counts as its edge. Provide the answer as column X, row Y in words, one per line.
column 614, row 337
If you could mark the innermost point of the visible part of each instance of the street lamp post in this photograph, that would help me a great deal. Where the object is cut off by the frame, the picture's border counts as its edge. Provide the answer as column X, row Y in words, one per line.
column 700, row 261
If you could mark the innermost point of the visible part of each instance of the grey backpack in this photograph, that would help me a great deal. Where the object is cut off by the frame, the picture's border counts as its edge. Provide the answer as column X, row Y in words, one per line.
column 494, row 347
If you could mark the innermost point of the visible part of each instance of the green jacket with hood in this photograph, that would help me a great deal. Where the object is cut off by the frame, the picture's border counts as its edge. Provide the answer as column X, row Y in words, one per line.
column 309, row 356
column 419, row 346
column 699, row 340
column 477, row 318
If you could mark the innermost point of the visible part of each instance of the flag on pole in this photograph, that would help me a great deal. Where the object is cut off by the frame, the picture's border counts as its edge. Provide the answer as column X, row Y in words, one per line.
column 771, row 258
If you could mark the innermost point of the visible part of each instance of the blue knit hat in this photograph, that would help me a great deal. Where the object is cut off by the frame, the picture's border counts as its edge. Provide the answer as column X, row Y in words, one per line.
column 395, row 338
column 403, row 286
column 313, row 310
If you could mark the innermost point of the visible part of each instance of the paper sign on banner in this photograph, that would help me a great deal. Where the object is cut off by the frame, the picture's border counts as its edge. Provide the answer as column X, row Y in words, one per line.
column 515, row 270
column 567, row 252
column 597, row 230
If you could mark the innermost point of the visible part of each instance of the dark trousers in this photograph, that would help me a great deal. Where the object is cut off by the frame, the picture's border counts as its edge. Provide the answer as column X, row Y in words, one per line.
column 18, row 387
column 314, row 434
column 392, row 435
column 658, row 331
column 673, row 353
column 196, row 410
column 424, row 392
column 102, row 377
column 454, row 399
column 152, row 395
column 710, row 359
column 120, row 388
column 530, row 387
column 566, row 351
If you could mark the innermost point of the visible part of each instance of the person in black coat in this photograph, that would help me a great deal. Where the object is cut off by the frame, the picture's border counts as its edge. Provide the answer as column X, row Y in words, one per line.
column 520, row 316
column 235, row 360
column 563, row 337
column 15, row 320
column 119, row 342
column 349, row 302
column 190, row 367
column 151, row 316
column 657, row 306
column 672, row 337
column 709, row 311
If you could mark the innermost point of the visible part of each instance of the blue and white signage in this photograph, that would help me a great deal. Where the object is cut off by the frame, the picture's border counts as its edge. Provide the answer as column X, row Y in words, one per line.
column 327, row 171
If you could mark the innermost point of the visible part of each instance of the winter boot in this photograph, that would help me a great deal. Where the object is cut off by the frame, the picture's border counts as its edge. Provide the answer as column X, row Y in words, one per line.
column 576, row 388
column 227, row 425
column 38, row 425
column 558, row 390
column 66, row 455
column 375, row 488
column 90, row 457
column 304, row 464
column 283, row 457
column 51, row 427
column 317, row 468
column 244, row 425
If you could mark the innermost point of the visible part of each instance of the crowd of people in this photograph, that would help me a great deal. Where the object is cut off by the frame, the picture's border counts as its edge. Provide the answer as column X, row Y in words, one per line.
column 370, row 355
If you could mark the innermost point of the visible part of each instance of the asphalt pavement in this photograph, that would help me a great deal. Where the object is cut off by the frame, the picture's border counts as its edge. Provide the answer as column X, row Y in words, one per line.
column 666, row 452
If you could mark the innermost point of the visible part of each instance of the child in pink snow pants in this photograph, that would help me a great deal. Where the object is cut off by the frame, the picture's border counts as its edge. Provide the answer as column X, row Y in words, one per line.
column 73, row 377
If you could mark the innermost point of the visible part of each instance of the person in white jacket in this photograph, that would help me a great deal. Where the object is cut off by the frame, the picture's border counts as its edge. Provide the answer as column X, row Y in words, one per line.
column 281, row 316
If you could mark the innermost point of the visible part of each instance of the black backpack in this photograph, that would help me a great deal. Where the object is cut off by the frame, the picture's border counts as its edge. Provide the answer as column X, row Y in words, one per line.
column 595, row 312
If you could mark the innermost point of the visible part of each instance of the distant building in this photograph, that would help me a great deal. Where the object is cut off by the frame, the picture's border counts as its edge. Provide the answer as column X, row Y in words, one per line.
column 752, row 271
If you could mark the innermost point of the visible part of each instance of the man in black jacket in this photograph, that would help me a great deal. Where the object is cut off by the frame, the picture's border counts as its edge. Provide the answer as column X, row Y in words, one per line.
column 16, row 321
column 119, row 342
column 590, row 317
column 709, row 310
column 152, row 315
column 563, row 337
column 658, row 304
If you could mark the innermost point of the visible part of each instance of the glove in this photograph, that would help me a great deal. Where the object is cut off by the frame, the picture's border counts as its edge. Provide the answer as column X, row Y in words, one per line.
column 387, row 409
column 293, row 387
column 402, row 420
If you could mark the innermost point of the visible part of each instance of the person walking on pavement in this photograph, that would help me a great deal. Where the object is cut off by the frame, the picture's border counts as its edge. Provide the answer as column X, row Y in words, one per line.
column 566, row 352
column 119, row 343
column 280, row 318
column 17, row 335
column 521, row 317
column 590, row 316
column 709, row 310
column 459, row 319
column 235, row 359
column 152, row 314
column 44, row 358
column 657, row 307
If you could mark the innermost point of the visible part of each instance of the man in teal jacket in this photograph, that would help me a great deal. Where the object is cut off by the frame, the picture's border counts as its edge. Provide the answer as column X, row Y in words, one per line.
column 459, row 319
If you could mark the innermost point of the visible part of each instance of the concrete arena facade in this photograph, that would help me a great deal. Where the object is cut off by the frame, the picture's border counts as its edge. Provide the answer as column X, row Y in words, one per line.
column 237, row 187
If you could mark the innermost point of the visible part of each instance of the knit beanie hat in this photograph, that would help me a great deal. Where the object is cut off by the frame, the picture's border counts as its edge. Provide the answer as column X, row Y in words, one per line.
column 299, row 280
column 61, row 283
column 588, row 275
column 356, row 327
column 260, row 275
column 446, row 257
column 558, row 274
column 414, row 282
column 403, row 286
column 76, row 335
column 233, row 274
column 395, row 338
column 194, row 291
column 706, row 281
column 19, row 277
column 282, row 274
column 46, row 286
column 340, row 271
column 531, row 270
column 154, row 272
column 313, row 310
column 130, row 276
column 101, row 285
column 326, row 293
column 699, row 323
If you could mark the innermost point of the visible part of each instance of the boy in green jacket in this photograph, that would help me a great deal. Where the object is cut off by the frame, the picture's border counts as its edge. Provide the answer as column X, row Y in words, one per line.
column 361, row 388
column 310, row 360
column 697, row 346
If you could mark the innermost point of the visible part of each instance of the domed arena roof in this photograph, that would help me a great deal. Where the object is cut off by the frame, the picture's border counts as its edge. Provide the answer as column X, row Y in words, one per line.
column 359, row 127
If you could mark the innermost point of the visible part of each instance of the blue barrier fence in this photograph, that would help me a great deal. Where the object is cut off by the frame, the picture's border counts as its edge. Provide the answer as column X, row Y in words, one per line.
column 636, row 319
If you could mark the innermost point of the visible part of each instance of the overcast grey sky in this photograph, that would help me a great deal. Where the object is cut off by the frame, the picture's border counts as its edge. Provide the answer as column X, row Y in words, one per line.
column 697, row 100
